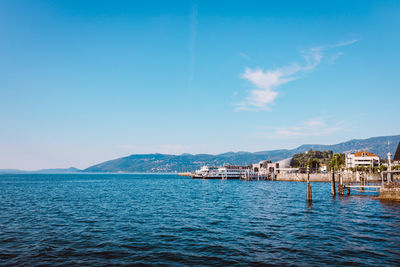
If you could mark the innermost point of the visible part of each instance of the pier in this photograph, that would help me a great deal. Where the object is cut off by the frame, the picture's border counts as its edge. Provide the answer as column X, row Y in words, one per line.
column 386, row 187
column 245, row 177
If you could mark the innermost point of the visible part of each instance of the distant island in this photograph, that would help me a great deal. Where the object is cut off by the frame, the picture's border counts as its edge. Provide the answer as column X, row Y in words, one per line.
column 42, row 171
column 164, row 163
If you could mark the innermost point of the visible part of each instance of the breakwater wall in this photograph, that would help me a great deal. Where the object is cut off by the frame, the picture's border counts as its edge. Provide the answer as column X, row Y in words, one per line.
column 391, row 192
column 326, row 177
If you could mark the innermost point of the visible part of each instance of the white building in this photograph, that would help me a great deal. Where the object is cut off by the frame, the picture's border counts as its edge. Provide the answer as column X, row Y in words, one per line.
column 261, row 167
column 362, row 159
column 323, row 167
column 267, row 167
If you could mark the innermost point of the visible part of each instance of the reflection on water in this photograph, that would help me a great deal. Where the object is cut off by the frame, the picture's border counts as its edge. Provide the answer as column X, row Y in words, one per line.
column 152, row 219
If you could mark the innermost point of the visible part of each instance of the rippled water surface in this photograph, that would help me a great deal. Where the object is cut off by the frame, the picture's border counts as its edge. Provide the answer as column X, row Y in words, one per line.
column 104, row 219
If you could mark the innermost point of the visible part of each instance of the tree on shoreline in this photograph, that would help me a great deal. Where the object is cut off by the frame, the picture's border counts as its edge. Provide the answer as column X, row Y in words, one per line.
column 312, row 159
column 337, row 162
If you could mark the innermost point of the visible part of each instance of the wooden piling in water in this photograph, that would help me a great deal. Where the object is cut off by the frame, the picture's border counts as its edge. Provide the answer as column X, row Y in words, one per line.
column 309, row 192
column 362, row 180
column 333, row 189
column 340, row 186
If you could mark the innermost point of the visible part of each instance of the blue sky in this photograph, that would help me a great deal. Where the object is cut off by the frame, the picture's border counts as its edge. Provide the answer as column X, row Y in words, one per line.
column 86, row 81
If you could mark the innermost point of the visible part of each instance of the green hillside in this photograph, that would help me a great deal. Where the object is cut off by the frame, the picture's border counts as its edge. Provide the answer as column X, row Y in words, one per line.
column 156, row 163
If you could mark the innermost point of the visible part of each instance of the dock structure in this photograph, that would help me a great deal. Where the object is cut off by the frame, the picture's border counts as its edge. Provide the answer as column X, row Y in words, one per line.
column 364, row 181
column 388, row 190
column 189, row 174
column 387, row 185
column 361, row 188
column 245, row 177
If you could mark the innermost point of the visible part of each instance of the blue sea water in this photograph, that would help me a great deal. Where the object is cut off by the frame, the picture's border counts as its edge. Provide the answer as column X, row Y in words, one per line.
column 121, row 219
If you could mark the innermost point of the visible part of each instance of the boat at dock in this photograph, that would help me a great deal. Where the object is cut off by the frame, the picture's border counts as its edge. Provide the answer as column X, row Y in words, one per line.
column 223, row 172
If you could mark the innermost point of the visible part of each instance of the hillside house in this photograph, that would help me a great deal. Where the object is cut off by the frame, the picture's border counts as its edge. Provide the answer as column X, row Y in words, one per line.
column 362, row 159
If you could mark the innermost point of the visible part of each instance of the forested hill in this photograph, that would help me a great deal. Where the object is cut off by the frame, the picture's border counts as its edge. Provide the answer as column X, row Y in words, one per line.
column 188, row 162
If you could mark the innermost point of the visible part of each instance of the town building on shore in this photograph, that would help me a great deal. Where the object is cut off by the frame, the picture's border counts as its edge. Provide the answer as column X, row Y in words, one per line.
column 362, row 159
column 323, row 167
column 261, row 167
column 267, row 167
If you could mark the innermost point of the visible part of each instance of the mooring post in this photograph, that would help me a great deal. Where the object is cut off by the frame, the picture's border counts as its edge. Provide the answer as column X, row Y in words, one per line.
column 340, row 185
column 309, row 192
column 362, row 181
column 389, row 170
column 333, row 189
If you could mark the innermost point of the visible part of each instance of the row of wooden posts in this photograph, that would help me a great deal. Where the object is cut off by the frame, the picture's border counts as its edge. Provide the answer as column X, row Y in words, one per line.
column 333, row 186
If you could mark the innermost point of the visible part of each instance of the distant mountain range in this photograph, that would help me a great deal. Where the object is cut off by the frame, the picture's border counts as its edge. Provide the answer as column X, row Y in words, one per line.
column 42, row 171
column 162, row 163
column 155, row 163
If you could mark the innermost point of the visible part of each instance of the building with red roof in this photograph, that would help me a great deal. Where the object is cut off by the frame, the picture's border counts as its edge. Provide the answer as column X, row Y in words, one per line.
column 362, row 159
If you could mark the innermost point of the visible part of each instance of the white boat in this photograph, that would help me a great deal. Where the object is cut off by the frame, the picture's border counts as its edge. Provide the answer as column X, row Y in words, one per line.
column 224, row 172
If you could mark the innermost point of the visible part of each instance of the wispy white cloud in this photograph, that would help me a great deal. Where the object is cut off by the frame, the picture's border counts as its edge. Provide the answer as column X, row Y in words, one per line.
column 245, row 56
column 312, row 127
column 349, row 42
column 268, row 81
column 334, row 57
column 315, row 122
